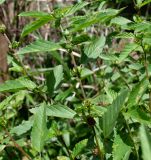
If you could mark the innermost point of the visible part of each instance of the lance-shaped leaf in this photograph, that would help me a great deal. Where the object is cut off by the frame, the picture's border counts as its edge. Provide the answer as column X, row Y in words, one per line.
column 145, row 138
column 94, row 49
column 60, row 111
column 120, row 149
column 127, row 50
column 35, row 14
column 57, row 110
column 79, row 148
column 17, row 84
column 53, row 78
column 35, row 25
column 137, row 92
column 39, row 132
column 75, row 8
column 111, row 115
column 39, row 46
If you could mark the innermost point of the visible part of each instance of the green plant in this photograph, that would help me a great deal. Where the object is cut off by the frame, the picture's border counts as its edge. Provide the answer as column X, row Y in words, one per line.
column 91, row 97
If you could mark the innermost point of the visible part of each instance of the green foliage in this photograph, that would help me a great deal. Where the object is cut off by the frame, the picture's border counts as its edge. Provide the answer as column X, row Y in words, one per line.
column 145, row 143
column 111, row 115
column 39, row 131
column 94, row 49
column 80, row 82
column 120, row 149
column 79, row 147
column 17, row 84
column 2, row 1
column 39, row 46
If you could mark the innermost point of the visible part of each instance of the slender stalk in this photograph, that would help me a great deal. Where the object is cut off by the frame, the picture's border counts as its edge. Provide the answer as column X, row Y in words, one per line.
column 65, row 146
column 79, row 80
column 130, row 134
column 147, row 73
column 98, row 146
column 17, row 145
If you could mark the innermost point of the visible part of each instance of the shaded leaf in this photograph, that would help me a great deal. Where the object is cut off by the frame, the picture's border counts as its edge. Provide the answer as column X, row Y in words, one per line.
column 79, row 148
column 138, row 114
column 137, row 92
column 53, row 78
column 111, row 115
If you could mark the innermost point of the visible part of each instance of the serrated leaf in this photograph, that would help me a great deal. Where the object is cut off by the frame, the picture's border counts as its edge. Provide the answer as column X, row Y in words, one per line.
column 138, row 114
column 130, row 47
column 79, row 147
column 35, row 25
column 17, row 84
column 111, row 115
column 53, row 78
column 35, row 14
column 57, row 110
column 14, row 100
column 94, row 49
column 61, row 111
column 145, row 138
column 80, row 23
column 137, row 92
column 39, row 46
column 39, row 131
column 120, row 149
column 125, row 35
column 108, row 57
column 75, row 8
column 143, row 3
column 22, row 128
column 111, row 94
column 120, row 20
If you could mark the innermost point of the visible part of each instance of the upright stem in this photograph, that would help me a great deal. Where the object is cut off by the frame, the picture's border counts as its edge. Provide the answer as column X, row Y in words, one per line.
column 17, row 145
column 130, row 134
column 79, row 80
column 147, row 73
column 98, row 146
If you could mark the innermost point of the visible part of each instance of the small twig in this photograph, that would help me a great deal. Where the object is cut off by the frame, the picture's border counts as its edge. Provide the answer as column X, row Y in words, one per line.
column 130, row 134
column 98, row 146
column 16, row 144
column 147, row 73
column 79, row 80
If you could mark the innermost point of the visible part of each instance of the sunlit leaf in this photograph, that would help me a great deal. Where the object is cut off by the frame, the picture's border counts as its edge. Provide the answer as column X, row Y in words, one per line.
column 39, row 130
column 39, row 46
column 120, row 149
